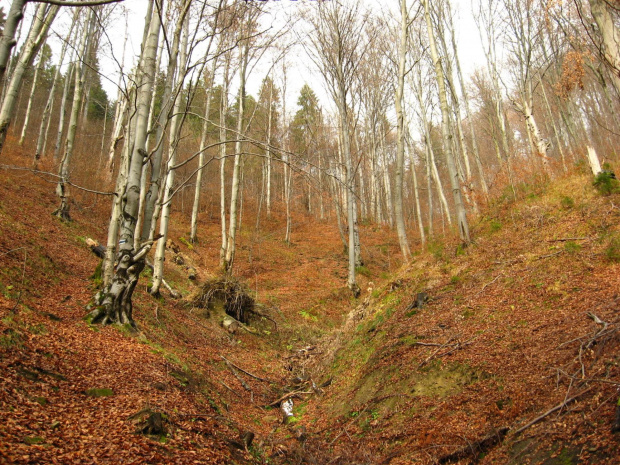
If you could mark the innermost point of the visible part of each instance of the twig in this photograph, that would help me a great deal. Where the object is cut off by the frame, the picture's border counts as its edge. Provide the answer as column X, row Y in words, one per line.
column 247, row 372
column 230, row 389
column 239, row 378
column 568, row 239
column 289, row 396
column 488, row 284
column 550, row 411
column 549, row 255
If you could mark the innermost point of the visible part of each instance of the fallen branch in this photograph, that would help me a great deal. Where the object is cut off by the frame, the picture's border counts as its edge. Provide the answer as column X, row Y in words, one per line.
column 565, row 239
column 550, row 411
column 456, row 346
column 240, row 379
column 549, row 255
column 288, row 396
column 488, row 284
column 247, row 372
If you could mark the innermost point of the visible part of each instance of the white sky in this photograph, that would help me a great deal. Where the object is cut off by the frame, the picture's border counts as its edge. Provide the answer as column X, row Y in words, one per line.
column 300, row 70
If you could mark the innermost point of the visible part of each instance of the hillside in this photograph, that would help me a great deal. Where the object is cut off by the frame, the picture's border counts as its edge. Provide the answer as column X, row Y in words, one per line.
column 440, row 361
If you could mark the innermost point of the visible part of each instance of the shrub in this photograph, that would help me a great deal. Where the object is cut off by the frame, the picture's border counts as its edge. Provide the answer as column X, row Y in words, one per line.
column 567, row 202
column 606, row 183
column 612, row 252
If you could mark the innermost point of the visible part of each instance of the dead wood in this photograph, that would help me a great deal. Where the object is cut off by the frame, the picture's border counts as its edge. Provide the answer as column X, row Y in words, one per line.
column 288, row 396
column 240, row 379
column 231, row 292
column 550, row 411
column 247, row 372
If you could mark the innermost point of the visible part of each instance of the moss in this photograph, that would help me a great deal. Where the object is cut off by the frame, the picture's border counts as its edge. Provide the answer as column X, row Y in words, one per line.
column 103, row 392
column 32, row 440
column 363, row 271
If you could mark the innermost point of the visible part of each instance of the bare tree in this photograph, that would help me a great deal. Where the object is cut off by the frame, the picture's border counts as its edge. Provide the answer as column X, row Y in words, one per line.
column 338, row 43
column 114, row 302
column 461, row 214
column 44, row 16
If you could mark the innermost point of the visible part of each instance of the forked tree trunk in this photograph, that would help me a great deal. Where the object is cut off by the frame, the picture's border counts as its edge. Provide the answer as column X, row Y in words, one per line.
column 114, row 302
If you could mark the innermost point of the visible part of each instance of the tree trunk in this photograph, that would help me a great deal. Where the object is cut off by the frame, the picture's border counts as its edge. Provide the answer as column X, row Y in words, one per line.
column 7, row 40
column 63, row 107
column 610, row 37
column 454, row 178
column 33, row 89
column 114, row 303
column 223, row 115
column 153, row 194
column 61, row 189
column 201, row 158
column 175, row 129
column 36, row 36
column 45, row 119
column 400, row 129
column 234, row 194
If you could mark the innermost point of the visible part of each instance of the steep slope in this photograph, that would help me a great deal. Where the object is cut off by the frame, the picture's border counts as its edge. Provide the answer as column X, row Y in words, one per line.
column 512, row 359
column 443, row 362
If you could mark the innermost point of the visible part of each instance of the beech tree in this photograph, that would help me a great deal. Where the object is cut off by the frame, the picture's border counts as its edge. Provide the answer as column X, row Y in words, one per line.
column 461, row 214
column 114, row 301
column 338, row 43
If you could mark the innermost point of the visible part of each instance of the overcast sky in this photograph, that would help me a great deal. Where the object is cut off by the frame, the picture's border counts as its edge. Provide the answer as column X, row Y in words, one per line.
column 299, row 67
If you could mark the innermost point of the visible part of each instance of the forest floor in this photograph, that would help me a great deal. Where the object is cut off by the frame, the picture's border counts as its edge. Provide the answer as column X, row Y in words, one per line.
column 524, row 320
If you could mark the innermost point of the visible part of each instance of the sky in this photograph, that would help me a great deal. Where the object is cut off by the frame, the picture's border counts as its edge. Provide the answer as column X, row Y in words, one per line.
column 299, row 69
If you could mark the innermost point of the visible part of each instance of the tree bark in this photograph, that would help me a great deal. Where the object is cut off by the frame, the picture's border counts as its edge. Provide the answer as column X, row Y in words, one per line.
column 61, row 189
column 400, row 129
column 454, row 178
column 33, row 89
column 7, row 40
column 114, row 303
column 45, row 119
column 36, row 36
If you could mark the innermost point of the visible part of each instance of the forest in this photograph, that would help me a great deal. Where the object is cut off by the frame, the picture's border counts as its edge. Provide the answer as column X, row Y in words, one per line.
column 315, row 231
